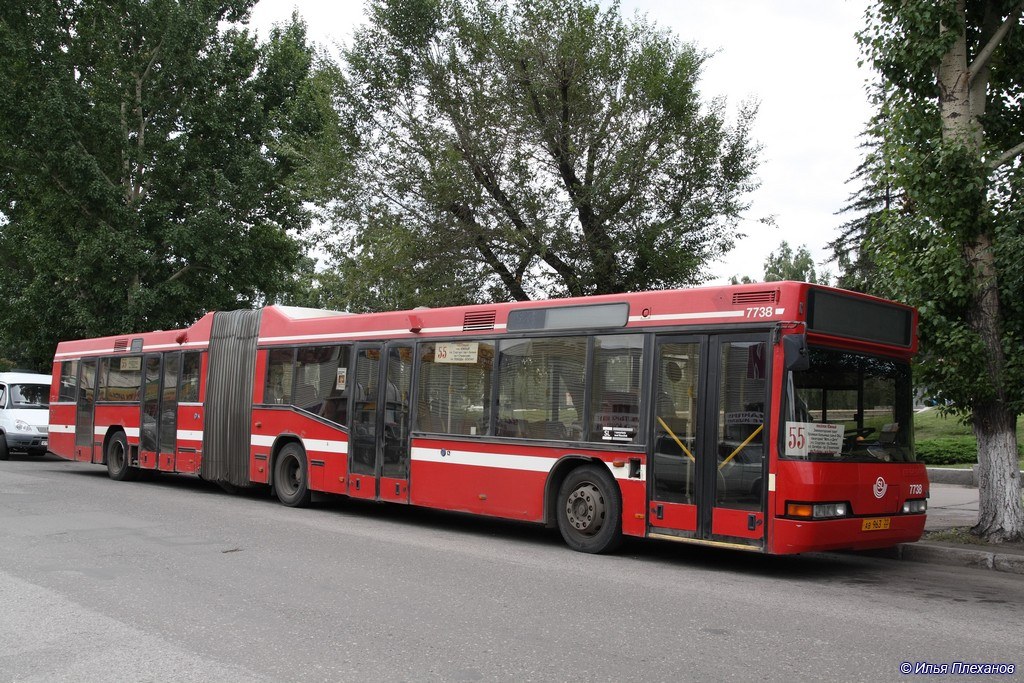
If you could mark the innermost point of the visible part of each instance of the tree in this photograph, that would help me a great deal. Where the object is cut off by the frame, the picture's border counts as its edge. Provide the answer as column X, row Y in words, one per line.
column 855, row 247
column 536, row 147
column 950, row 121
column 153, row 164
column 785, row 264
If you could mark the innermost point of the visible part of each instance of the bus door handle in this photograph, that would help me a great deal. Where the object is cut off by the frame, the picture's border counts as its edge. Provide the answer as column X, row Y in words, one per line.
column 753, row 522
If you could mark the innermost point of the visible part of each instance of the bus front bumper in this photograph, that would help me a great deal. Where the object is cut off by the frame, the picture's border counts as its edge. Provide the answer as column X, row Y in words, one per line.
column 855, row 533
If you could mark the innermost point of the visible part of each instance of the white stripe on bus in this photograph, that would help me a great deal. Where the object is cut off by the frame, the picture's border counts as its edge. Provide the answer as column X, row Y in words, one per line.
column 311, row 445
column 62, row 429
column 523, row 463
column 100, row 430
column 188, row 435
column 342, row 336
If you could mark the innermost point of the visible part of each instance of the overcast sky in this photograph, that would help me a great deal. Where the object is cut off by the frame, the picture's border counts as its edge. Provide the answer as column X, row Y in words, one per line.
column 798, row 58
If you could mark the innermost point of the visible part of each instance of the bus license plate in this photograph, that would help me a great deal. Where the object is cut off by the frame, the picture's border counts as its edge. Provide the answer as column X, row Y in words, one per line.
column 876, row 524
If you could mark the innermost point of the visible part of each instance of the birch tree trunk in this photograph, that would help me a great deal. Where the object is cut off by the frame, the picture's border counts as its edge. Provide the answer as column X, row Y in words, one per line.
column 962, row 89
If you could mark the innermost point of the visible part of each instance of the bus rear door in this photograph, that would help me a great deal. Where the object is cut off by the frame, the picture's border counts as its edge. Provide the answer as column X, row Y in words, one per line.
column 85, row 411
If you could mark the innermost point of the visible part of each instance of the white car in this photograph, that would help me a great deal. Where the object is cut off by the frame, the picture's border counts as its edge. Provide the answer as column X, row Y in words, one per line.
column 24, row 413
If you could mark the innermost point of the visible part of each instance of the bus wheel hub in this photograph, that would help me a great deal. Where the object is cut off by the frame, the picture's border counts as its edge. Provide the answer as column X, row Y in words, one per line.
column 585, row 508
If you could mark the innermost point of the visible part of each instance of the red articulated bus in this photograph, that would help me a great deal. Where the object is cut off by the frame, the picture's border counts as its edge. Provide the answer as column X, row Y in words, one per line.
column 773, row 417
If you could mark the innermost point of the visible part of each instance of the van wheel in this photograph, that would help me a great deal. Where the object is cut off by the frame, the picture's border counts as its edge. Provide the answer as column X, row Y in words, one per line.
column 291, row 480
column 118, row 464
column 589, row 511
column 4, row 453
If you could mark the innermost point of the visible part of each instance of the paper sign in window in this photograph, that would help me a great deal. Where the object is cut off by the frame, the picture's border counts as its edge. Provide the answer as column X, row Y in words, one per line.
column 457, row 352
column 814, row 438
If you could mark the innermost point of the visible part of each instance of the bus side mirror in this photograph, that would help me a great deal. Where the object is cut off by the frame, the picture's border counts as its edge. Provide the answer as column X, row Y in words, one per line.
column 797, row 356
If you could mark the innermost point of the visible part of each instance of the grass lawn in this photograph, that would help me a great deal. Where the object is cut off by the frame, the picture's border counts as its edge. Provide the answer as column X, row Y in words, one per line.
column 929, row 424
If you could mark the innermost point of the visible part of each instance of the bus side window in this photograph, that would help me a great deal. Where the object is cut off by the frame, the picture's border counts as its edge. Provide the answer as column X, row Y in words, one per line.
column 541, row 388
column 321, row 379
column 280, row 376
column 68, row 378
column 191, row 365
column 615, row 388
column 454, row 393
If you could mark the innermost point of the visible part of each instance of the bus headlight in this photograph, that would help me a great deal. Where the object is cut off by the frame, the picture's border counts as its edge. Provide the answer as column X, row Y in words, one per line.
column 912, row 507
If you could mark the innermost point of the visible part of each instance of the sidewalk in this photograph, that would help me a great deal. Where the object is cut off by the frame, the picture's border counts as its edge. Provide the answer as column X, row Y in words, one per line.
column 952, row 506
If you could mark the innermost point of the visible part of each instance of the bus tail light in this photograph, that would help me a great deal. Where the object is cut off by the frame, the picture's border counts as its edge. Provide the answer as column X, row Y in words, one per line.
column 817, row 510
column 912, row 507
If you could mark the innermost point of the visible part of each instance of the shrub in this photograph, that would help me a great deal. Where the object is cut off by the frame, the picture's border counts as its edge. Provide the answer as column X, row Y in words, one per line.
column 950, row 450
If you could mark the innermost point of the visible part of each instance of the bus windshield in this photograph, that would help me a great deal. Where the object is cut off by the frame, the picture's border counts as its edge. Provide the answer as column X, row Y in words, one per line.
column 849, row 407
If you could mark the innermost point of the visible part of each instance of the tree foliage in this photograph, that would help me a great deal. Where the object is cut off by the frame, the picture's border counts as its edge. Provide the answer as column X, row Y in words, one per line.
column 786, row 264
column 154, row 161
column 949, row 131
column 534, row 148
column 855, row 248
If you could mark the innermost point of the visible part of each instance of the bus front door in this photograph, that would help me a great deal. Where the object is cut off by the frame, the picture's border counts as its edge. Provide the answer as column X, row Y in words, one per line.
column 708, row 460
column 379, row 424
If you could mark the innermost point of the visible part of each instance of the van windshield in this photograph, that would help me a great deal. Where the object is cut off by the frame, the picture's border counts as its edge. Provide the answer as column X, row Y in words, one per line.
column 30, row 396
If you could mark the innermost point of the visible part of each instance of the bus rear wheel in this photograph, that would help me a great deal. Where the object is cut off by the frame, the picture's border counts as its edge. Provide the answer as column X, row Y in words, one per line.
column 118, row 465
column 291, row 480
column 589, row 511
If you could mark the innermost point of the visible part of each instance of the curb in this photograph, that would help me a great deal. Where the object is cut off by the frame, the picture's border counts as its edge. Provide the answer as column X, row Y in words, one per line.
column 949, row 475
column 959, row 477
column 957, row 557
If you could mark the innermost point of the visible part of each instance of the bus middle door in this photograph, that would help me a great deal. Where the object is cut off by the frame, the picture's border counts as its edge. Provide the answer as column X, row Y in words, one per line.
column 158, row 429
column 380, row 422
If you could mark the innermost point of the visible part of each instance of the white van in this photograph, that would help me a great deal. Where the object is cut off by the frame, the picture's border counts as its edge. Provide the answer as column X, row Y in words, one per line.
column 24, row 413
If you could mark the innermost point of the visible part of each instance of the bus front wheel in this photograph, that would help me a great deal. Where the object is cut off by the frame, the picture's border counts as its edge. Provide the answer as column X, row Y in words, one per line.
column 589, row 511
column 291, row 481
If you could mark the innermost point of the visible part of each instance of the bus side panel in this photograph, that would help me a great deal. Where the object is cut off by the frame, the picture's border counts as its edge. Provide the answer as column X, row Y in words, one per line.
column 62, row 430
column 327, row 454
column 125, row 416
column 326, row 447
column 507, row 480
column 190, row 438
column 634, row 504
column 498, row 480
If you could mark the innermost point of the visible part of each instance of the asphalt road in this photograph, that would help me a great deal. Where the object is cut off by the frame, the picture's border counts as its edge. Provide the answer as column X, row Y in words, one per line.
column 175, row 580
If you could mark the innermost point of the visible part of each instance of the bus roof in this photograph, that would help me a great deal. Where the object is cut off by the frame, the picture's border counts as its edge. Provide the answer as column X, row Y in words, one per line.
column 758, row 304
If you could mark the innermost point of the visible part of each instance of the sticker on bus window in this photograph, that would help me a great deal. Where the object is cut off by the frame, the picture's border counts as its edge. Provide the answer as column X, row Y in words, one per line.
column 814, row 438
column 342, row 379
column 618, row 434
column 618, row 427
column 131, row 364
column 457, row 352
column 744, row 417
